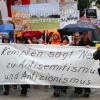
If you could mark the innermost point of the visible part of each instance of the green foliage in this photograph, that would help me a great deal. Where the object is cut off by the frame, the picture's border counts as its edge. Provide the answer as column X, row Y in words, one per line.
column 83, row 4
column 98, row 4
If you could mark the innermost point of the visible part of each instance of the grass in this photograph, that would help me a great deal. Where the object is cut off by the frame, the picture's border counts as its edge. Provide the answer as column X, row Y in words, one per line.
column 44, row 23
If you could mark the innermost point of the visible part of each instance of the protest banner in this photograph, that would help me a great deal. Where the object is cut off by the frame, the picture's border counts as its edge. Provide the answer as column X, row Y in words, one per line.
column 45, row 16
column 69, row 13
column 41, row 16
column 3, row 11
column 21, row 17
column 48, row 65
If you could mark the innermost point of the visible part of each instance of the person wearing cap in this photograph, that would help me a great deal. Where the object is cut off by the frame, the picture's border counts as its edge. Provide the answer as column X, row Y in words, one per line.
column 56, row 40
column 75, row 42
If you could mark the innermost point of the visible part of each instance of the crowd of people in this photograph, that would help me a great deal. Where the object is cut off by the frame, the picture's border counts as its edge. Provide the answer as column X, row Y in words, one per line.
column 55, row 39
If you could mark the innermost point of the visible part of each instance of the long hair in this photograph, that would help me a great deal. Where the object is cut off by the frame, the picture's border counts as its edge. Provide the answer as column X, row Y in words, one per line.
column 6, row 39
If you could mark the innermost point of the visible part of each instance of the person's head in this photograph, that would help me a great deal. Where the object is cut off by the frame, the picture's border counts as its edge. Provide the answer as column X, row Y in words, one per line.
column 18, row 40
column 5, row 40
column 50, row 34
column 26, row 40
column 34, row 40
column 76, row 37
column 55, row 38
column 65, row 40
column 85, row 36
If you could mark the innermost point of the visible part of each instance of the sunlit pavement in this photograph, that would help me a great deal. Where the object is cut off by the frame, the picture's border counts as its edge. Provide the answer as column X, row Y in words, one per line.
column 46, row 93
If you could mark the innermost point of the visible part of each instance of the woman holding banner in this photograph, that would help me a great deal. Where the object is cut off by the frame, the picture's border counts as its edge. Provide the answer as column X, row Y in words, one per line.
column 85, row 41
column 75, row 42
column 59, row 89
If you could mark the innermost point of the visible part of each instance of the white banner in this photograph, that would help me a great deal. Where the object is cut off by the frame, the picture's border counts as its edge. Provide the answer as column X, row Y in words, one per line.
column 69, row 13
column 4, row 11
column 48, row 65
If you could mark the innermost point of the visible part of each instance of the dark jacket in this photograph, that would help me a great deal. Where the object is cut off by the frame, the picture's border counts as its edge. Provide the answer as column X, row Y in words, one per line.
column 96, row 55
column 88, row 42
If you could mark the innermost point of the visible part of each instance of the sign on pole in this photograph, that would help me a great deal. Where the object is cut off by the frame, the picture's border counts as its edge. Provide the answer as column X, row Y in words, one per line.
column 91, row 13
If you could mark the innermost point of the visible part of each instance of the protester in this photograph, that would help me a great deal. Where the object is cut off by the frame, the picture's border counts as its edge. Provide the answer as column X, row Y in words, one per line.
column 55, row 38
column 85, row 41
column 44, row 38
column 25, row 87
column 75, row 42
column 26, row 40
column 18, row 40
column 59, row 89
column 5, row 39
column 96, row 56
column 34, row 40
column 65, row 40
column 49, row 38
column 75, row 39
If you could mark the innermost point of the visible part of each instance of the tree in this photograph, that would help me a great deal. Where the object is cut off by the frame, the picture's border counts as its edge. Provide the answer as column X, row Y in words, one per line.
column 84, row 4
column 98, row 3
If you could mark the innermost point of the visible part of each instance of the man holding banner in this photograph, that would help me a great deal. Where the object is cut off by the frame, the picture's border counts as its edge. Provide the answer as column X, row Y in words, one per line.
column 96, row 55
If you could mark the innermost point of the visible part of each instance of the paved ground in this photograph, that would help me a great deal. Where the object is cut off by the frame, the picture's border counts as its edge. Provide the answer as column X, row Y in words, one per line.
column 44, row 93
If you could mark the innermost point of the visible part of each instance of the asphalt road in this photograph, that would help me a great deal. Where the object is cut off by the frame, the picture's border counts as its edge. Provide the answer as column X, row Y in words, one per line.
column 45, row 93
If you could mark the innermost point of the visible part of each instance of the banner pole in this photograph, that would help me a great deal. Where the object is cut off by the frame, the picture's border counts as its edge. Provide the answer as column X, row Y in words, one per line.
column 45, row 36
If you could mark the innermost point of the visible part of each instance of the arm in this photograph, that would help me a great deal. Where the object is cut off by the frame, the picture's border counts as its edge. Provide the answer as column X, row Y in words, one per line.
column 96, row 55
